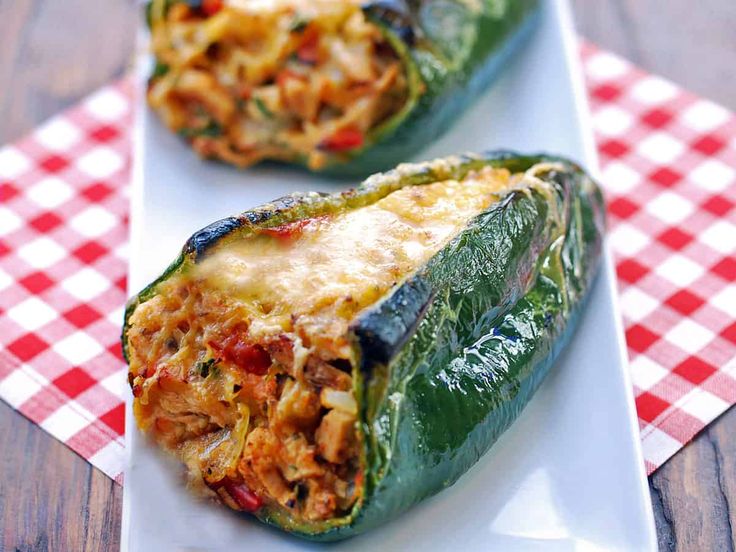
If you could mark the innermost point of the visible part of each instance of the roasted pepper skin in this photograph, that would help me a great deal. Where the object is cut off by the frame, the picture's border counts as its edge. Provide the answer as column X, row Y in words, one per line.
column 452, row 354
column 451, row 50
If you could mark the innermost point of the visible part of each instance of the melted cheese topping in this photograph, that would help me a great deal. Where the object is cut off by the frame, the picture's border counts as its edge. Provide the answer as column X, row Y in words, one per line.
column 333, row 268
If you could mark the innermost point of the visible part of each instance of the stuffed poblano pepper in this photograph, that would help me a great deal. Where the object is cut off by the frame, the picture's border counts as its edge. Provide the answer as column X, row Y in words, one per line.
column 326, row 361
column 341, row 86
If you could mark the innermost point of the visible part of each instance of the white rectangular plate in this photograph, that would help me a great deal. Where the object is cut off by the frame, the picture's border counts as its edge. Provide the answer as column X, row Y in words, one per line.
column 568, row 475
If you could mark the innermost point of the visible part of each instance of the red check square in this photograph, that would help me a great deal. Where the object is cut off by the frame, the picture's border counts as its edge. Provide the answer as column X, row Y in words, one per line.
column 27, row 347
column 695, row 370
column 74, row 382
column 54, row 164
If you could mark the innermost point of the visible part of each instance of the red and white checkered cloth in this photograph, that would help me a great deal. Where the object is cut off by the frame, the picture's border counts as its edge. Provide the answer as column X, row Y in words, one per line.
column 668, row 163
column 669, row 169
column 63, row 238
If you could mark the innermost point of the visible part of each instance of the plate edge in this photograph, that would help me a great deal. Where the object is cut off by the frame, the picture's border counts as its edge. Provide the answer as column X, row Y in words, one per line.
column 574, row 66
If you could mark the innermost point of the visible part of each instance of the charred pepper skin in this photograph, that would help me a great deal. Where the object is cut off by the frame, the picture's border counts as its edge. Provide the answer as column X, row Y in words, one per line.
column 451, row 51
column 451, row 355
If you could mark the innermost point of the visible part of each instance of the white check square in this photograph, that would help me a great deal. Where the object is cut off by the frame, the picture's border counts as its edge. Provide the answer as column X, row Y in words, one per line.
column 725, row 300
column 653, row 90
column 626, row 240
column 58, row 134
column 66, row 422
column 100, row 162
column 645, row 373
column 93, row 221
column 604, row 66
column 689, row 336
column 109, row 459
column 669, row 207
column 116, row 316
column 18, row 387
column 50, row 192
column 713, row 175
column 107, row 105
column 702, row 405
column 13, row 162
column 9, row 221
column 679, row 270
column 612, row 121
column 637, row 305
column 32, row 313
column 620, row 179
column 657, row 446
column 660, row 148
column 42, row 252
column 116, row 383
column 720, row 236
column 77, row 348
column 86, row 284
column 705, row 115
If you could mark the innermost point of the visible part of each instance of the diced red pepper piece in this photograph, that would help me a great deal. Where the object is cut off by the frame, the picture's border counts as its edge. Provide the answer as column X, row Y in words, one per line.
column 288, row 230
column 291, row 229
column 308, row 51
column 243, row 496
column 240, row 493
column 137, row 390
column 211, row 7
column 344, row 139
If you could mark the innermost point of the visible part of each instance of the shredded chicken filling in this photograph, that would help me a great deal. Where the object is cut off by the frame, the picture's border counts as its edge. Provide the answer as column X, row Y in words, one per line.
column 287, row 80
column 244, row 421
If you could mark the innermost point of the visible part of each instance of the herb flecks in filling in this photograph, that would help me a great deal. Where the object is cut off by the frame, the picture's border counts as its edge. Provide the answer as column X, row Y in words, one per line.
column 288, row 80
column 242, row 364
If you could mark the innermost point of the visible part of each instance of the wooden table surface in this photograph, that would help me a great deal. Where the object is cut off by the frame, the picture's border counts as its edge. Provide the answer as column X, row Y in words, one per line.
column 54, row 52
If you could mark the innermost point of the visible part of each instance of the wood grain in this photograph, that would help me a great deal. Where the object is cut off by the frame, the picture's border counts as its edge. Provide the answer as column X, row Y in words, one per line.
column 54, row 52
column 50, row 498
column 691, row 43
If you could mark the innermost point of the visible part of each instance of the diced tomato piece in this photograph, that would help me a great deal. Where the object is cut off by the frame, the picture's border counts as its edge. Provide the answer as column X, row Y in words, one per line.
column 211, row 7
column 253, row 359
column 150, row 371
column 308, row 51
column 137, row 390
column 344, row 139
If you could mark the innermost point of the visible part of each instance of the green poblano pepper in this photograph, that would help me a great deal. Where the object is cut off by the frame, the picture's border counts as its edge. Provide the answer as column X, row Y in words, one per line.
column 451, row 355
